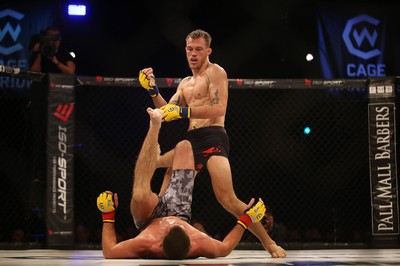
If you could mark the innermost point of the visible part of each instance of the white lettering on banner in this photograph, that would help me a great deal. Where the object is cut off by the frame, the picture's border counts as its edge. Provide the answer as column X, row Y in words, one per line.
column 65, row 233
column 61, row 86
column 383, row 169
column 11, row 82
column 124, row 80
column 369, row 70
column 333, row 82
column 54, row 187
column 384, row 188
column 264, row 82
column 384, row 185
column 62, row 168
column 382, row 133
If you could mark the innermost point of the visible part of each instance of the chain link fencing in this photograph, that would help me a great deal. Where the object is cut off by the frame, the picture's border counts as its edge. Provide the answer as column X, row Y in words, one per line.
column 316, row 183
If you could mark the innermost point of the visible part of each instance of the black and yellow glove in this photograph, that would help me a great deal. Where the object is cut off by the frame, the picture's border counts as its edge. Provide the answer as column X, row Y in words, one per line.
column 105, row 203
column 148, row 83
column 174, row 112
column 253, row 214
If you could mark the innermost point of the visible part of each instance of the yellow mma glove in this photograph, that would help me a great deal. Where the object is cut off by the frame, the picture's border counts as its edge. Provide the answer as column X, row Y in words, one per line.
column 105, row 203
column 148, row 83
column 174, row 112
column 254, row 214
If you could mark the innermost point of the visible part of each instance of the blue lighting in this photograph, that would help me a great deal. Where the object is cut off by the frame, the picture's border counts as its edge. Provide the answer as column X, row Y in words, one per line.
column 307, row 130
column 76, row 10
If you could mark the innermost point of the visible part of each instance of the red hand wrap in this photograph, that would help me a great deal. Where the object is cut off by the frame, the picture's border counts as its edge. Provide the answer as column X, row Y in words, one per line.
column 244, row 221
column 108, row 217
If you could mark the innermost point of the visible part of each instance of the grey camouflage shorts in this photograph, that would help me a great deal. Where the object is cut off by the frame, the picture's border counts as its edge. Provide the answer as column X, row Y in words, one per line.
column 177, row 200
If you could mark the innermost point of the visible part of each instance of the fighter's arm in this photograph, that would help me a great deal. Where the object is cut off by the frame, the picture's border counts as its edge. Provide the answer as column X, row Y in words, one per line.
column 107, row 203
column 177, row 106
column 268, row 243
column 132, row 248
column 148, row 81
column 159, row 101
column 178, row 98
column 212, row 248
column 273, row 249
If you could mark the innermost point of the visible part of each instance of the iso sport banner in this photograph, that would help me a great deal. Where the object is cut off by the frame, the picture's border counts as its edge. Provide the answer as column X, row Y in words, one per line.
column 60, row 168
column 358, row 41
column 19, row 21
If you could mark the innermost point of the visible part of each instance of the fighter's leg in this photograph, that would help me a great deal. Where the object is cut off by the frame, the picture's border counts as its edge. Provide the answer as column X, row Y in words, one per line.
column 166, row 160
column 143, row 199
column 183, row 159
column 166, row 179
column 221, row 178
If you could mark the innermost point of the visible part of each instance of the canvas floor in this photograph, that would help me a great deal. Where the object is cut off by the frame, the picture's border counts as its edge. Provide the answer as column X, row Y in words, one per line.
column 329, row 257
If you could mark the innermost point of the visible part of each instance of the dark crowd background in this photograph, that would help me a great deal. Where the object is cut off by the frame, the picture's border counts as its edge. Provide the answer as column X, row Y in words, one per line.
column 251, row 39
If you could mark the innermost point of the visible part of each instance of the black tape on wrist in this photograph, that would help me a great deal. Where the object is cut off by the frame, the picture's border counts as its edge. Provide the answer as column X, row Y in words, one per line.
column 154, row 91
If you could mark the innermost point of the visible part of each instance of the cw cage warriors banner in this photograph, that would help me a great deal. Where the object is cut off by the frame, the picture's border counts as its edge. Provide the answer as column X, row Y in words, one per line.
column 358, row 40
column 18, row 23
column 382, row 158
column 60, row 164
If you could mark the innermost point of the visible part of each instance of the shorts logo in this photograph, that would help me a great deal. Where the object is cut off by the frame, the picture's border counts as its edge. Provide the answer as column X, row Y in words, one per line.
column 211, row 151
column 356, row 39
column 9, row 30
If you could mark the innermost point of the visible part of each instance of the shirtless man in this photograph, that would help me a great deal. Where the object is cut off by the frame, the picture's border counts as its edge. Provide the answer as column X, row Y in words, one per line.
column 164, row 218
column 203, row 98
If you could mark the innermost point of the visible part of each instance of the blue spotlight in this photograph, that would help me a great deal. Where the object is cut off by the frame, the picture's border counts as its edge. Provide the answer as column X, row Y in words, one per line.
column 77, row 10
column 307, row 130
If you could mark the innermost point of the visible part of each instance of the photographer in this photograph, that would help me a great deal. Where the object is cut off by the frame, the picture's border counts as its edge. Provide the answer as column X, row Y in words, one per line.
column 45, row 55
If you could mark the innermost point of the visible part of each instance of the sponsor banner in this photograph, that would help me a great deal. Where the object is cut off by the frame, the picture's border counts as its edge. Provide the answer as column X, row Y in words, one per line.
column 124, row 81
column 234, row 83
column 60, row 168
column 354, row 44
column 380, row 88
column 383, row 169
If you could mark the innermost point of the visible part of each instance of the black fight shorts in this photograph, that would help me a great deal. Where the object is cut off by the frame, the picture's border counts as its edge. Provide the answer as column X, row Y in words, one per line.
column 207, row 142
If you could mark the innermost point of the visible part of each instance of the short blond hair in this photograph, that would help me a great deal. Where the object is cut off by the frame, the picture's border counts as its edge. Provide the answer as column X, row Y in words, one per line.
column 199, row 33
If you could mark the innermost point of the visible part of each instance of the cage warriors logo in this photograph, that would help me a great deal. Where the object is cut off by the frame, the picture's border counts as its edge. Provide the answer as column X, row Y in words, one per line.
column 11, row 50
column 8, row 47
column 360, row 36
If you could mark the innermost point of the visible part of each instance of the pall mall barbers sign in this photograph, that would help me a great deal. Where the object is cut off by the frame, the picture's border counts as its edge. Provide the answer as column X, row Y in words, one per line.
column 383, row 165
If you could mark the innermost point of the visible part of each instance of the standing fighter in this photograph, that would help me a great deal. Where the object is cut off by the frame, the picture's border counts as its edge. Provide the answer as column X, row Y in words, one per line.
column 203, row 98
column 164, row 218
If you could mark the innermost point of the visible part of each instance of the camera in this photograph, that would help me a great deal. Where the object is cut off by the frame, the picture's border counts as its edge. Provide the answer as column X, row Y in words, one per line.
column 47, row 46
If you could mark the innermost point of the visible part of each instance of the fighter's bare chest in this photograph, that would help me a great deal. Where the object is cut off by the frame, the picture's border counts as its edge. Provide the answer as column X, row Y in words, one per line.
column 196, row 88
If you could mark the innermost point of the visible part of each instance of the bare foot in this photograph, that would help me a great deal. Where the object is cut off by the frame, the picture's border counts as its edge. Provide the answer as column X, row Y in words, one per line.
column 155, row 115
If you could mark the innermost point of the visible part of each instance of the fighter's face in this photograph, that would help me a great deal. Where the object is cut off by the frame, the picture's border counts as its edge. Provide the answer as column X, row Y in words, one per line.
column 197, row 52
